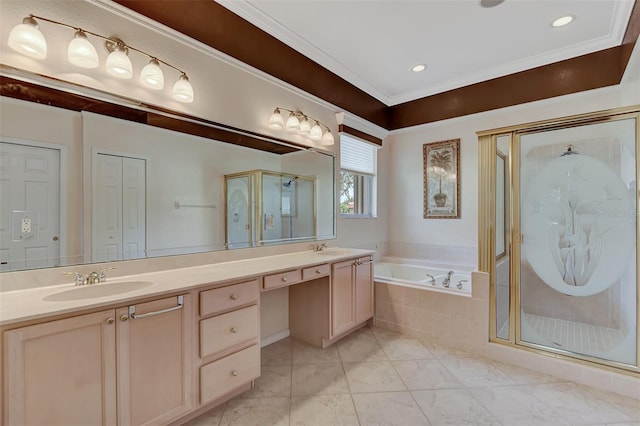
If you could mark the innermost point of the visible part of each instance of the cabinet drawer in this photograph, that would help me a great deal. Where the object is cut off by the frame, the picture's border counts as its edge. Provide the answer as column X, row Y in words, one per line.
column 315, row 272
column 227, row 330
column 225, row 298
column 228, row 373
column 282, row 279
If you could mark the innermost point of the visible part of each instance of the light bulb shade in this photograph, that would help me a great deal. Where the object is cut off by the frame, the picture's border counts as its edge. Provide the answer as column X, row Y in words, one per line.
column 151, row 75
column 25, row 38
column 81, row 52
column 276, row 121
column 305, row 127
column 119, row 65
column 182, row 90
column 327, row 139
column 316, row 132
column 292, row 122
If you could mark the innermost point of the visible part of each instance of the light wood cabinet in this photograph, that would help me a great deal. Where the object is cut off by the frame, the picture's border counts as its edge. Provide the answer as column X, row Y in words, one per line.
column 65, row 372
column 61, row 372
column 324, row 309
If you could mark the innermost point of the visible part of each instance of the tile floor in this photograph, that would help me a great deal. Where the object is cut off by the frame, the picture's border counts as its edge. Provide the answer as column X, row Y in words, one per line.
column 375, row 377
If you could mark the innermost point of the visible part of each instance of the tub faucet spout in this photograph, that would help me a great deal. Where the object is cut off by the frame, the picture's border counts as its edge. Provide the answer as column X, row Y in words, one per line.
column 447, row 280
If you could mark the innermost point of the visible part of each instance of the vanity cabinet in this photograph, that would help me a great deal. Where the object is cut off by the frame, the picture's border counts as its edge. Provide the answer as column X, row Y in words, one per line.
column 351, row 294
column 335, row 299
column 229, row 330
column 107, row 367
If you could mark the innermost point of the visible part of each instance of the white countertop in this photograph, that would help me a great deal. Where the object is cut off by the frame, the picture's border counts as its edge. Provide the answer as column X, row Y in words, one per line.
column 24, row 305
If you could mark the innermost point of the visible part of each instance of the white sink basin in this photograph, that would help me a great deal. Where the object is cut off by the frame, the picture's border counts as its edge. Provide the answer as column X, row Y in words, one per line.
column 97, row 290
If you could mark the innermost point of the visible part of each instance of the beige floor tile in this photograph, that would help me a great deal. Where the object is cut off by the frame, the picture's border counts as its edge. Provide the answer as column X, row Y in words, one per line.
column 323, row 410
column 319, row 379
column 388, row 409
column 210, row 418
column 360, row 346
column 274, row 380
column 425, row 374
column 405, row 348
column 278, row 353
column 377, row 376
column 474, row 372
column 304, row 353
column 575, row 404
column 440, row 351
column 514, row 405
column 453, row 407
column 629, row 406
column 257, row 412
column 524, row 376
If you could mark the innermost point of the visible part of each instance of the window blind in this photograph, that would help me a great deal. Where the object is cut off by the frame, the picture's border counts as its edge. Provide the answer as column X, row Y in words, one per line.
column 357, row 156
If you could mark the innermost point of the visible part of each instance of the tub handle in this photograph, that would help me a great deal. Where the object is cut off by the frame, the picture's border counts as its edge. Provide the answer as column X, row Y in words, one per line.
column 432, row 279
column 459, row 285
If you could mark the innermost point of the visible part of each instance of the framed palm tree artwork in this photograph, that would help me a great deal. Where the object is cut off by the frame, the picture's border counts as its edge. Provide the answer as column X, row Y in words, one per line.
column 441, row 170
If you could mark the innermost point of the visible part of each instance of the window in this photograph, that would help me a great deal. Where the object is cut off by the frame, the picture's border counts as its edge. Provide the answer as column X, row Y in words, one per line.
column 357, row 178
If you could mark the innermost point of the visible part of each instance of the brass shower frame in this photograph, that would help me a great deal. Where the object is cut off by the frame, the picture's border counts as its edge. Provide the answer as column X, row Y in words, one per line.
column 487, row 151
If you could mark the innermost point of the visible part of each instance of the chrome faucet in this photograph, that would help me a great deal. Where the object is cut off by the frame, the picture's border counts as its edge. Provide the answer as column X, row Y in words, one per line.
column 90, row 278
column 319, row 247
column 431, row 279
column 447, row 279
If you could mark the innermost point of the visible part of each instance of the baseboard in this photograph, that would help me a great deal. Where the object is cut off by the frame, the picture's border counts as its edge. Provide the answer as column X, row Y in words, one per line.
column 274, row 338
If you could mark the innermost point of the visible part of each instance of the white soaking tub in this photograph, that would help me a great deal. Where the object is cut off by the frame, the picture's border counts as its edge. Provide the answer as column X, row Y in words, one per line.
column 423, row 277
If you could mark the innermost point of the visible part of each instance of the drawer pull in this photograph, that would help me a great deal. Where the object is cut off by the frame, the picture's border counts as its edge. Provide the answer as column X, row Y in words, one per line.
column 132, row 310
column 234, row 373
column 284, row 279
column 233, row 297
column 234, row 330
column 318, row 271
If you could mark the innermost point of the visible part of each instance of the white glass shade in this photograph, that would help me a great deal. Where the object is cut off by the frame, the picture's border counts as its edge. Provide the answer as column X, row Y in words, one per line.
column 182, row 90
column 25, row 38
column 276, row 121
column 327, row 139
column 305, row 127
column 151, row 75
column 81, row 52
column 119, row 65
column 316, row 132
column 292, row 122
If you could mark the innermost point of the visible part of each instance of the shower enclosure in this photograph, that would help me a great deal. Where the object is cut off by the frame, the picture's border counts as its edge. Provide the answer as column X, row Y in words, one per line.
column 558, row 234
column 265, row 207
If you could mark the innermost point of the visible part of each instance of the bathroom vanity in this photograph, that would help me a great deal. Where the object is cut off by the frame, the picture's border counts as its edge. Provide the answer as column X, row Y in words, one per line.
column 185, row 341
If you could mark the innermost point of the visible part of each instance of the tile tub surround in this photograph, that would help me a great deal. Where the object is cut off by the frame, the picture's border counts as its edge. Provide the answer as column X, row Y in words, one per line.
column 378, row 377
column 462, row 324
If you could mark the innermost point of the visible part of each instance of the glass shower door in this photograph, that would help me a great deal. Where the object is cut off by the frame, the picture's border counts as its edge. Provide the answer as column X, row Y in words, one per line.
column 578, row 207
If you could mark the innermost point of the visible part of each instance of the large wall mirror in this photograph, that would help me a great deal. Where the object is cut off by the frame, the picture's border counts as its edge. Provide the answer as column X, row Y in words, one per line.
column 82, row 187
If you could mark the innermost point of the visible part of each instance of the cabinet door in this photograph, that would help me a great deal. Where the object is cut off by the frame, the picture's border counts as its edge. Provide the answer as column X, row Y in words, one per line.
column 364, row 290
column 342, row 298
column 154, row 361
column 61, row 372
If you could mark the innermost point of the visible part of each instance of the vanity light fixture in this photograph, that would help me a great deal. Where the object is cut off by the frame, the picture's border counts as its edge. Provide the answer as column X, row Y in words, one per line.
column 27, row 39
column 298, row 121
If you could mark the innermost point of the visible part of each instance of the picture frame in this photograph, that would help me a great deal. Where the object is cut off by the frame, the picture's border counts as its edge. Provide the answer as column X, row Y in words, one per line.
column 441, row 171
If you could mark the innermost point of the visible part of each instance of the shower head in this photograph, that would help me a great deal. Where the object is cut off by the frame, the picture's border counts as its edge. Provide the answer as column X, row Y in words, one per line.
column 569, row 151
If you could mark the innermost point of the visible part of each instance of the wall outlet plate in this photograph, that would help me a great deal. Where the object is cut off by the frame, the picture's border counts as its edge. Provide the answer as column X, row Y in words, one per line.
column 26, row 225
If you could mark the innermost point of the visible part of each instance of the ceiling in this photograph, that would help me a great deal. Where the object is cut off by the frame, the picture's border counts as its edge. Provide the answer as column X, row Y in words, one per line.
column 373, row 44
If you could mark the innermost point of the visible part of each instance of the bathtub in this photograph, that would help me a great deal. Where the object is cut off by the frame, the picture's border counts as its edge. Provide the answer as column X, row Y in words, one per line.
column 416, row 276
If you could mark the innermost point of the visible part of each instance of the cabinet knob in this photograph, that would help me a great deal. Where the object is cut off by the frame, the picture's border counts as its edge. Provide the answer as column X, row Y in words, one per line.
column 284, row 279
column 234, row 330
column 233, row 297
column 123, row 317
column 234, row 373
column 110, row 320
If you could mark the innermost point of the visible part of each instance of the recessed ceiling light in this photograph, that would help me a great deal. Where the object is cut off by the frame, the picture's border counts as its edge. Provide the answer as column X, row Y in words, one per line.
column 418, row 68
column 562, row 21
column 490, row 3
